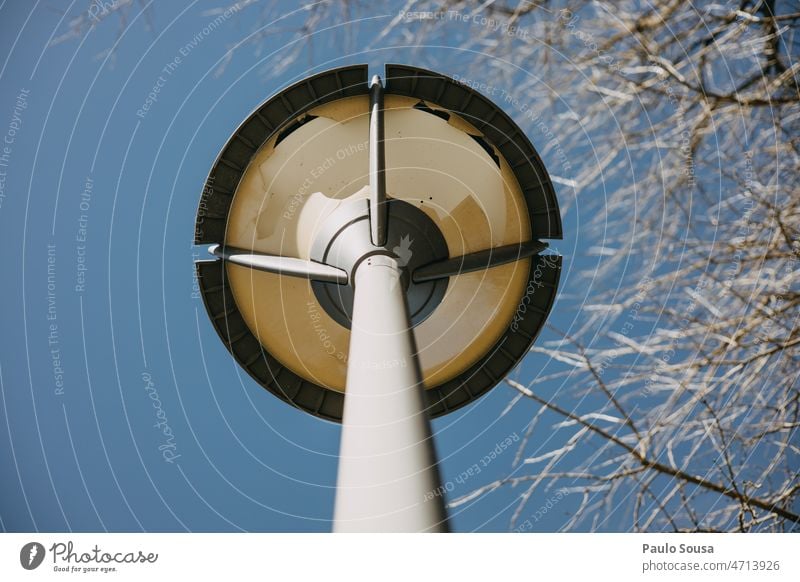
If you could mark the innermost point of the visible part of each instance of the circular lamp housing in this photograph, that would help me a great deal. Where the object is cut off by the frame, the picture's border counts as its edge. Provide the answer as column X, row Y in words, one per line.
column 292, row 181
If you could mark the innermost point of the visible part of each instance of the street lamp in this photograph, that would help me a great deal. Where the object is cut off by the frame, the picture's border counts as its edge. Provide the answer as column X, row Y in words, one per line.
column 378, row 263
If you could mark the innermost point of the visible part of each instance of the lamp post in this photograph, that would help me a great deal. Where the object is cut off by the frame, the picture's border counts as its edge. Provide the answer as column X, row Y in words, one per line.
column 390, row 311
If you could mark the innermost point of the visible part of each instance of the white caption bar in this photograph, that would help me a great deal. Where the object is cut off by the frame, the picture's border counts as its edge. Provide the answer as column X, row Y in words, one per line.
column 358, row 557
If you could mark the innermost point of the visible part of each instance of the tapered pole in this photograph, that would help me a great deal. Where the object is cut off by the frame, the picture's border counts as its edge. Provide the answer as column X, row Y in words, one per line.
column 388, row 478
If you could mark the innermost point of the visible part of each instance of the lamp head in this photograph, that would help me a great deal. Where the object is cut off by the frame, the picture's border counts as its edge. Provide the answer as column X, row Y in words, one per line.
column 467, row 202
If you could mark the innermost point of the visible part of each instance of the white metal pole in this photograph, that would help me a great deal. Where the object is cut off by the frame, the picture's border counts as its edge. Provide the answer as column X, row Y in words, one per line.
column 388, row 478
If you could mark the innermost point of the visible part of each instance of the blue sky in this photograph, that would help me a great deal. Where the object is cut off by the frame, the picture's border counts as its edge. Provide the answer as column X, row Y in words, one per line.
column 91, row 184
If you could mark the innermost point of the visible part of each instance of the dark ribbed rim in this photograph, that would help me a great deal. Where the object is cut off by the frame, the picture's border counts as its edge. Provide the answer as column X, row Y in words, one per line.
column 281, row 112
